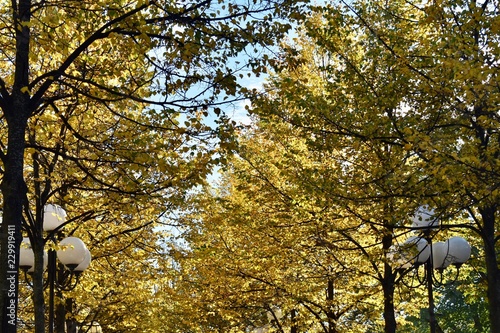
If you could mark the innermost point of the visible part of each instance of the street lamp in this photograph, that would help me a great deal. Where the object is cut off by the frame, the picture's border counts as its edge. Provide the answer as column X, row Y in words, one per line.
column 71, row 252
column 419, row 251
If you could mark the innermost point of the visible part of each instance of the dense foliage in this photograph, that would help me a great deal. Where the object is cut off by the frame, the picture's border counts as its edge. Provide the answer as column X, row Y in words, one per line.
column 103, row 107
column 373, row 110
column 377, row 108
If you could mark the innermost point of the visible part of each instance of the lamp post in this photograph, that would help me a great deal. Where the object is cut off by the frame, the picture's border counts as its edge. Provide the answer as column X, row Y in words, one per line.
column 420, row 250
column 73, row 255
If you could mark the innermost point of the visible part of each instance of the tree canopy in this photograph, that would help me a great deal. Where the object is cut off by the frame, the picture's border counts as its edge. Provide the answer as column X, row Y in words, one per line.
column 376, row 109
column 372, row 111
column 103, row 106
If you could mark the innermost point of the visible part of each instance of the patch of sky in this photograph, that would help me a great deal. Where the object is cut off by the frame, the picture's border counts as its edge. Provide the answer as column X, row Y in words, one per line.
column 233, row 104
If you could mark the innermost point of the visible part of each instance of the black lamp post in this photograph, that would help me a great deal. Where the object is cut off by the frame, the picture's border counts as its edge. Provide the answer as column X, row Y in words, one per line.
column 73, row 255
column 435, row 257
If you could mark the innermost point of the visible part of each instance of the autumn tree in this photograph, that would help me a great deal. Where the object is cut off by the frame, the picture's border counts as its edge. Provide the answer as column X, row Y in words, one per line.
column 115, row 189
column 416, row 82
column 381, row 95
column 270, row 246
column 365, row 182
column 140, row 61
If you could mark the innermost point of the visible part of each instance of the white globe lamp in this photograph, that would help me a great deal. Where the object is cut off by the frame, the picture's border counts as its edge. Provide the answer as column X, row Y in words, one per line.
column 459, row 250
column 72, row 252
column 53, row 217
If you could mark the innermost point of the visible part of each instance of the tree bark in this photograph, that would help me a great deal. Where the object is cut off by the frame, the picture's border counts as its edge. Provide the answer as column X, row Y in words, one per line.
column 14, row 193
column 16, row 109
column 60, row 314
column 293, row 320
column 38, row 295
column 332, row 318
column 492, row 271
column 388, row 289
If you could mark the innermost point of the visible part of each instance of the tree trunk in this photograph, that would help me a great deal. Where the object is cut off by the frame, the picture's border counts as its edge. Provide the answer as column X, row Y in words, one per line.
column 38, row 296
column 60, row 314
column 14, row 193
column 492, row 271
column 71, row 324
column 293, row 320
column 38, row 245
column 332, row 318
column 388, row 289
column 16, row 109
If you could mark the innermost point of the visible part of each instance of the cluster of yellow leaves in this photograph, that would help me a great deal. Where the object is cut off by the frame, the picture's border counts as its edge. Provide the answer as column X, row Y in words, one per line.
column 271, row 238
column 378, row 108
column 117, row 165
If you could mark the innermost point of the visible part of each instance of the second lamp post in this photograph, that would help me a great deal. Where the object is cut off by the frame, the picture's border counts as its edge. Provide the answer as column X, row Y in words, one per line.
column 420, row 250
